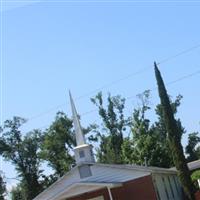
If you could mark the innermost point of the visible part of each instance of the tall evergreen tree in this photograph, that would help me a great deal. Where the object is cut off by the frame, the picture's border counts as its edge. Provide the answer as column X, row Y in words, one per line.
column 173, row 135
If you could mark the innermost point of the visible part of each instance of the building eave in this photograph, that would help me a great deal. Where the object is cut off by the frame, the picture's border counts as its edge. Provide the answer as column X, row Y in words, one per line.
column 84, row 187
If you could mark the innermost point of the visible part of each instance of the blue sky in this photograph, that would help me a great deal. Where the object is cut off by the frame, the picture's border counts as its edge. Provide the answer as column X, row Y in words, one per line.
column 51, row 47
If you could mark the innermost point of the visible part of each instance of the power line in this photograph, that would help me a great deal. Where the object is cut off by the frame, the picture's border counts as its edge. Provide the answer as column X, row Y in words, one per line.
column 179, row 54
column 14, row 178
column 184, row 77
column 46, row 112
column 152, row 89
column 172, row 82
column 142, row 70
column 168, row 83
column 85, row 113
column 92, row 92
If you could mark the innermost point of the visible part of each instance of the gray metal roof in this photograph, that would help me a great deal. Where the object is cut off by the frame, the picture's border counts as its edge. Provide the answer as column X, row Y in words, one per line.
column 191, row 165
column 101, row 174
column 194, row 165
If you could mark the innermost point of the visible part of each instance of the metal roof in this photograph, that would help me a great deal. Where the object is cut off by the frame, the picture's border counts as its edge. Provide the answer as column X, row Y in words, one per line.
column 102, row 174
column 191, row 165
column 194, row 165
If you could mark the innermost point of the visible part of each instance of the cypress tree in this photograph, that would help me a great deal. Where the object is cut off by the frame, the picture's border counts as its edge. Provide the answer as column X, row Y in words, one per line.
column 174, row 138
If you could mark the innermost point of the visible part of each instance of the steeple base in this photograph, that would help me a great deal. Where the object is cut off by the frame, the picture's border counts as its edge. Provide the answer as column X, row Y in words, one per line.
column 84, row 154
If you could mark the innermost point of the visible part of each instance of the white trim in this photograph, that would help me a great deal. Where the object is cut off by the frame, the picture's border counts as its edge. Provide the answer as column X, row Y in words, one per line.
column 198, row 181
column 110, row 185
column 98, row 185
column 110, row 194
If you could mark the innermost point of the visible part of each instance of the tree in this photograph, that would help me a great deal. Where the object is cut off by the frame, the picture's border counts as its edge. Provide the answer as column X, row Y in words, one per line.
column 135, row 146
column 191, row 149
column 159, row 129
column 114, row 124
column 173, row 135
column 146, row 146
column 2, row 188
column 23, row 153
column 59, row 139
column 195, row 178
column 160, row 124
column 18, row 193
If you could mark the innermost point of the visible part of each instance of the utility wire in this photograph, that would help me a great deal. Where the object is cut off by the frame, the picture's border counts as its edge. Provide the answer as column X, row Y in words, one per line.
column 179, row 54
column 83, row 114
column 142, row 70
column 134, row 96
column 172, row 82
column 93, row 91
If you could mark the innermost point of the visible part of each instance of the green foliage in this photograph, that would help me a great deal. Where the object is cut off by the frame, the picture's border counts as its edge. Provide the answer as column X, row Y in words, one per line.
column 2, row 188
column 192, row 149
column 135, row 147
column 173, row 134
column 160, row 124
column 160, row 131
column 146, row 150
column 195, row 175
column 58, row 141
column 18, row 193
column 128, row 152
column 49, row 180
column 114, row 124
column 148, row 144
column 23, row 154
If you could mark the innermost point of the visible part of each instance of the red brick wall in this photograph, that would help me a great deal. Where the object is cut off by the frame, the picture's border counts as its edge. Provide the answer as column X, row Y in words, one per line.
column 138, row 189
column 102, row 192
column 197, row 195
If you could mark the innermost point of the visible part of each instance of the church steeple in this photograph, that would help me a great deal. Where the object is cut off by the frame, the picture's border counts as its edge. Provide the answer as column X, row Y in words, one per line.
column 83, row 151
column 80, row 139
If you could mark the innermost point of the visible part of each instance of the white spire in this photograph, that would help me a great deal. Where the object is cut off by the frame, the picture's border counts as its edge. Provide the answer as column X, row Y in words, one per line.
column 80, row 139
column 83, row 151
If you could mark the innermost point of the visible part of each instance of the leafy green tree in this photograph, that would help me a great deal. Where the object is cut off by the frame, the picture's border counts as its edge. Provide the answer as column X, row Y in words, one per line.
column 133, row 147
column 174, row 137
column 195, row 175
column 2, row 188
column 128, row 152
column 59, row 139
column 114, row 124
column 22, row 152
column 18, row 193
column 146, row 145
column 192, row 149
column 195, row 178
